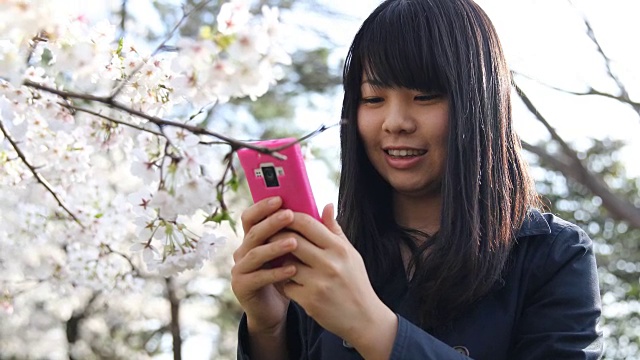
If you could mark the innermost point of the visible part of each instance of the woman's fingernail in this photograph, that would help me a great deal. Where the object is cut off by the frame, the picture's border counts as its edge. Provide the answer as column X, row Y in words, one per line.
column 273, row 201
column 288, row 242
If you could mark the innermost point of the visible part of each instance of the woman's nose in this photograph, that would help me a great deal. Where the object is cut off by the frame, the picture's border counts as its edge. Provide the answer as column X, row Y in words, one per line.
column 398, row 119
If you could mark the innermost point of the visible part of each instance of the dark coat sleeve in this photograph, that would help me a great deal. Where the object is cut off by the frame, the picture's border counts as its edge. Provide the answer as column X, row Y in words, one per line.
column 562, row 303
column 294, row 338
column 243, row 335
column 414, row 343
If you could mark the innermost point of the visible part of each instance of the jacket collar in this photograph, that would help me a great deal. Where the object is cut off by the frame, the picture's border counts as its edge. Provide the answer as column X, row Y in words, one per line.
column 534, row 224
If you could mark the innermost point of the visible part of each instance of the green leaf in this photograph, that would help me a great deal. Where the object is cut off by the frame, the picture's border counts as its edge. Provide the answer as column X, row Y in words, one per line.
column 219, row 217
column 120, row 46
column 223, row 41
column 216, row 218
column 227, row 216
column 47, row 56
column 234, row 183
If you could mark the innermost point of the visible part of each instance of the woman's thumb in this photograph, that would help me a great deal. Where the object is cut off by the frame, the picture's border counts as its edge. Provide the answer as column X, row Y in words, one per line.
column 328, row 219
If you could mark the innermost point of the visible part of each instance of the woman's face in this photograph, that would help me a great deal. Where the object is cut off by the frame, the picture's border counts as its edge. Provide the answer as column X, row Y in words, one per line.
column 405, row 136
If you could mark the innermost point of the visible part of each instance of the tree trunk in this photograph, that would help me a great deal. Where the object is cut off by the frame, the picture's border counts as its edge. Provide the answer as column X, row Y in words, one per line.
column 73, row 324
column 175, row 319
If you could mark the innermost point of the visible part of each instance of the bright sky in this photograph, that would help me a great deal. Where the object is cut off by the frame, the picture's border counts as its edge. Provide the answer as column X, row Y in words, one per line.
column 546, row 40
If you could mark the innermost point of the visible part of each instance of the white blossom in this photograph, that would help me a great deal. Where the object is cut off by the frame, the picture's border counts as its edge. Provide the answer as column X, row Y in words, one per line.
column 96, row 199
column 233, row 16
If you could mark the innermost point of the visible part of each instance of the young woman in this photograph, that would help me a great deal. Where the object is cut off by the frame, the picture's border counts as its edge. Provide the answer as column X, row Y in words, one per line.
column 438, row 251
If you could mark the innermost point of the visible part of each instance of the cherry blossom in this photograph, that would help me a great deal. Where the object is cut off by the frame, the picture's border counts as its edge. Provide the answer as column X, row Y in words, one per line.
column 101, row 133
column 108, row 181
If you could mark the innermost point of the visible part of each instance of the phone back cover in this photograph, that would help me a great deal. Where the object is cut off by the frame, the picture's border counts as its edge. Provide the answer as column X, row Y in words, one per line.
column 294, row 187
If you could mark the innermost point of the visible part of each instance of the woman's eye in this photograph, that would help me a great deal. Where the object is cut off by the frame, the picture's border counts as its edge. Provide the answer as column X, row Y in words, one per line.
column 372, row 100
column 427, row 97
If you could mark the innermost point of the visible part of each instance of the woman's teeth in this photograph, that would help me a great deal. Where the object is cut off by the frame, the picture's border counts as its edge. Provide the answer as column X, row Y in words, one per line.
column 403, row 153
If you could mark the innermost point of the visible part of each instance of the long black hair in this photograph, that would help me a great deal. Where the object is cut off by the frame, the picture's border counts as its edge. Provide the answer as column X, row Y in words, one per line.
column 449, row 47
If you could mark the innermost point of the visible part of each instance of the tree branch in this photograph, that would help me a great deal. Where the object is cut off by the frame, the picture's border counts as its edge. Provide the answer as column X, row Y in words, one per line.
column 235, row 144
column 617, row 207
column 566, row 149
column 37, row 175
column 590, row 92
column 573, row 167
column 108, row 101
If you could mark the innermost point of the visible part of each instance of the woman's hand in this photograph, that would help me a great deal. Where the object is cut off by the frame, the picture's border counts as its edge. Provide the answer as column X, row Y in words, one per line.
column 332, row 285
column 251, row 280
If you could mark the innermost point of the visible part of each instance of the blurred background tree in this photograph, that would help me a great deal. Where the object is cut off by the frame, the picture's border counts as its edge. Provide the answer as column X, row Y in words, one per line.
column 616, row 242
column 586, row 182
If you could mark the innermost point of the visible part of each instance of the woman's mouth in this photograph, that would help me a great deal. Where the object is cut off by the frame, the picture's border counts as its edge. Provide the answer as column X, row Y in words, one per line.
column 404, row 158
column 400, row 153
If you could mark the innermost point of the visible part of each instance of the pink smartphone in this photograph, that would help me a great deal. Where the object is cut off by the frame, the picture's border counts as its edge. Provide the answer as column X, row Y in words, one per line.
column 268, row 176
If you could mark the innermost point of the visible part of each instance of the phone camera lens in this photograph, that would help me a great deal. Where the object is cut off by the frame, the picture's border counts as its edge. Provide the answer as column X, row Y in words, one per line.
column 270, row 176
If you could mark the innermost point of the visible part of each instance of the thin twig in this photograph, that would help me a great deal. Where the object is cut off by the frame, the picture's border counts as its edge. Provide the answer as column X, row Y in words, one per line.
column 221, row 184
column 310, row 135
column 91, row 112
column 161, row 183
column 169, row 145
column 212, row 143
column 111, row 251
column 33, row 44
column 591, row 92
column 37, row 175
column 596, row 42
column 624, row 94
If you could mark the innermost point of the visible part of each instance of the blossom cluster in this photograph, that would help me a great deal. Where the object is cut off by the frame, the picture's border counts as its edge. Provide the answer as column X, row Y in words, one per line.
column 99, row 161
column 111, row 176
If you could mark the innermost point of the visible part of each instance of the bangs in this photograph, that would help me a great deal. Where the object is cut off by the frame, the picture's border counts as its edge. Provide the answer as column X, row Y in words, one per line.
column 397, row 48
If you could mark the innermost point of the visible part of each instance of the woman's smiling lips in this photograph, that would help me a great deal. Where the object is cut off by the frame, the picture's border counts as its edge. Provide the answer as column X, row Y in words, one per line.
column 403, row 157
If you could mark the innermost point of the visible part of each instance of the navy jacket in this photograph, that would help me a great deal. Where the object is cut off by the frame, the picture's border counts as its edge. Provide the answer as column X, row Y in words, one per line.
column 547, row 308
